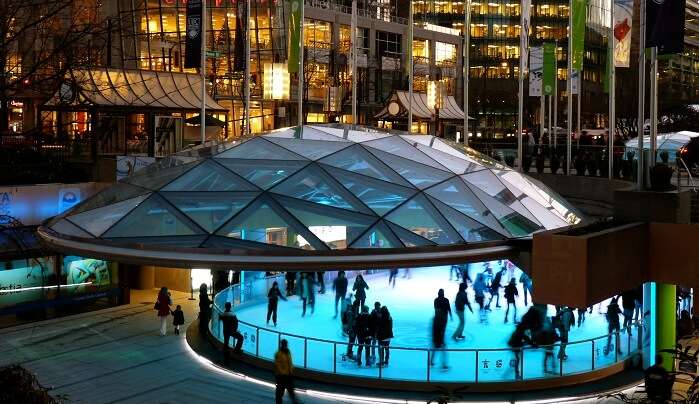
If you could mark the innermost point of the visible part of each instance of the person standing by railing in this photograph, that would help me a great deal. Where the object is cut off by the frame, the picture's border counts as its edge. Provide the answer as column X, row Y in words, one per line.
column 442, row 312
column 204, row 308
column 229, row 324
column 340, row 287
column 517, row 341
column 363, row 331
column 384, row 334
column 628, row 303
column 284, row 373
column 613, row 326
column 273, row 297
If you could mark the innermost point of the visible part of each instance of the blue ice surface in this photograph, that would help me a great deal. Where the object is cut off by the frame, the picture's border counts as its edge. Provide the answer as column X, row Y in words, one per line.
column 482, row 356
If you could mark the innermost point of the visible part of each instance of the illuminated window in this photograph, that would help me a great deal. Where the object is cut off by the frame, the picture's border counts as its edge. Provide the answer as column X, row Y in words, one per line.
column 445, row 54
column 317, row 34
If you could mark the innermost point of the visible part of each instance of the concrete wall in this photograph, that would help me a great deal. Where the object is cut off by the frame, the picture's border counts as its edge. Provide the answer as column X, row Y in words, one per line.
column 153, row 277
column 649, row 206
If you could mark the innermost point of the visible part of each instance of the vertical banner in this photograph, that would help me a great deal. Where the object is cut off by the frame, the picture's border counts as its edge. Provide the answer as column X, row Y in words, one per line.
column 579, row 10
column 241, row 36
column 193, row 45
column 536, row 71
column 524, row 39
column 575, row 84
column 665, row 25
column 295, row 27
column 549, row 68
column 623, row 22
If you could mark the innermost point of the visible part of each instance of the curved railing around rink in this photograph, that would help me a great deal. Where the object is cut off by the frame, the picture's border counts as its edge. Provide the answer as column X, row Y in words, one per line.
column 467, row 365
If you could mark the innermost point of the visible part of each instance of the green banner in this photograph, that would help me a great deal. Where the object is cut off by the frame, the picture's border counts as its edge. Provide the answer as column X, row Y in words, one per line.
column 549, row 68
column 295, row 28
column 579, row 10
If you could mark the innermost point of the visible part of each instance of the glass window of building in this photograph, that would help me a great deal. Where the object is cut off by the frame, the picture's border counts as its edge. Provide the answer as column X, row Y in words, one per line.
column 388, row 44
column 421, row 51
column 445, row 54
column 317, row 34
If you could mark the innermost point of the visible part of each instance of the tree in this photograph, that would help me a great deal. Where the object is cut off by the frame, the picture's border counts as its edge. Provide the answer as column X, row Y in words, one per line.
column 41, row 40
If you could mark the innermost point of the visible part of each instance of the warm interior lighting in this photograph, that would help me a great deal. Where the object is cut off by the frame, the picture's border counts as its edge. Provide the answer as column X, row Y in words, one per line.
column 276, row 81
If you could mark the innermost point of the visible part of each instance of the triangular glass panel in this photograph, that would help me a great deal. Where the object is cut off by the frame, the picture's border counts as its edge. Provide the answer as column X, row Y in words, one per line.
column 469, row 229
column 312, row 184
column 263, row 173
column 379, row 195
column 63, row 226
column 379, row 236
column 261, row 223
column 97, row 221
column 397, row 146
column 454, row 164
column 532, row 202
column 420, row 216
column 227, row 243
column 154, row 217
column 174, row 241
column 335, row 227
column 311, row 149
column 516, row 224
column 456, row 194
column 489, row 183
column 116, row 192
column 358, row 160
column 209, row 176
column 156, row 179
column 259, row 148
column 419, row 175
column 337, row 133
column 210, row 209
column 421, row 139
column 286, row 133
column 408, row 238
column 320, row 133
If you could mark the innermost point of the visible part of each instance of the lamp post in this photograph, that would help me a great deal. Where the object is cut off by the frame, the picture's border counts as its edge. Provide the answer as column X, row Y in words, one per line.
column 434, row 101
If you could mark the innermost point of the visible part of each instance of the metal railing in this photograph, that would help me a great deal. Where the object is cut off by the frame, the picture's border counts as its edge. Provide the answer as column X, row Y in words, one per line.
column 469, row 365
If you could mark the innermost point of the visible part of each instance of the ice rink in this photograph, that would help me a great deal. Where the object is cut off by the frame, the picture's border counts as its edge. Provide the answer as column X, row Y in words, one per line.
column 482, row 354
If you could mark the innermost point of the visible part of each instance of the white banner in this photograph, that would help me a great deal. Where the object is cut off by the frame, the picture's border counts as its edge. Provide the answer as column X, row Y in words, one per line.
column 536, row 71
column 524, row 39
column 623, row 22
column 576, row 82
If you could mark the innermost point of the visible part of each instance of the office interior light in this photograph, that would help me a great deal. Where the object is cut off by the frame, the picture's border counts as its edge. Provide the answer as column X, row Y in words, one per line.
column 276, row 81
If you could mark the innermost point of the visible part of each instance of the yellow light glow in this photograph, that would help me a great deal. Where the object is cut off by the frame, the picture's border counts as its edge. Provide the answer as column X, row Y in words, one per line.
column 276, row 81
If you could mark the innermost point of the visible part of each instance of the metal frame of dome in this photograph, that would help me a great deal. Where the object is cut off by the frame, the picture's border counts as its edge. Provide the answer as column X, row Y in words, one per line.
column 313, row 196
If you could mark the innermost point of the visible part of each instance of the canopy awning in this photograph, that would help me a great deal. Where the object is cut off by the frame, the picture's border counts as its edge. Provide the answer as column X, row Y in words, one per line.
column 106, row 87
column 399, row 103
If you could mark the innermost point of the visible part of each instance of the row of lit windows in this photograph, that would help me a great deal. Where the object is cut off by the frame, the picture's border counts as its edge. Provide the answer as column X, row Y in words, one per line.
column 508, row 9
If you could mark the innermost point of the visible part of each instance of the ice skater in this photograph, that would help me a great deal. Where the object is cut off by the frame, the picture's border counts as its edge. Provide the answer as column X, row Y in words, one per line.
column 460, row 304
column 273, row 297
column 628, row 303
column 362, row 330
column 517, row 341
column 495, row 288
column 340, row 288
column 479, row 288
column 546, row 338
column 565, row 321
column 392, row 275
column 290, row 278
column 526, row 282
column 384, row 333
column 307, row 292
column 374, row 319
column 442, row 312
column 406, row 273
column 581, row 315
column 613, row 326
column 349, row 318
column 321, row 281
column 510, row 294
column 359, row 288
column 454, row 269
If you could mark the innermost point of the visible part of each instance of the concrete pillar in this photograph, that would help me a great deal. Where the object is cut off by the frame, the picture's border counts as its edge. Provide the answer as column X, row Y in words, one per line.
column 146, row 278
column 666, row 321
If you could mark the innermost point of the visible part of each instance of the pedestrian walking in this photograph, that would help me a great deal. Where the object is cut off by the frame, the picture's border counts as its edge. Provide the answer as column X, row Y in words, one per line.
column 162, row 305
column 284, row 373
column 204, row 308
column 479, row 288
column 510, row 294
column 526, row 282
column 613, row 326
column 392, row 275
column 363, row 332
column 460, row 303
column 340, row 288
column 229, row 326
column 177, row 319
column 384, row 333
column 273, row 297
column 359, row 288
column 442, row 312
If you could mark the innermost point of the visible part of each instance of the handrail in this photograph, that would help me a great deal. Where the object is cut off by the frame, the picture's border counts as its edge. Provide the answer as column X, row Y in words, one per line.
column 688, row 173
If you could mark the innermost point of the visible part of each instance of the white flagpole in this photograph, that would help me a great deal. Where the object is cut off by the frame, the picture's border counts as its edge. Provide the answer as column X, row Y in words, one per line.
column 467, row 63
column 555, row 102
column 612, row 95
column 202, row 73
column 641, row 94
column 523, row 54
column 569, row 84
column 247, row 68
column 301, row 80
column 410, row 68
column 353, row 54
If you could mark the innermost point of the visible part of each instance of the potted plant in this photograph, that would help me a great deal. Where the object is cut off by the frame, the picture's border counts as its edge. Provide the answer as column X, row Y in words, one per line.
column 540, row 163
column 555, row 163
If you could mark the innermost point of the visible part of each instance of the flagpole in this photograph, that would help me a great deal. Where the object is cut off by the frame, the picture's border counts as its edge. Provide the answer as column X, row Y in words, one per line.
column 641, row 94
column 578, row 121
column 523, row 30
column 542, row 116
column 353, row 54
column 653, row 105
column 467, row 63
column 247, row 68
column 410, row 68
column 202, row 73
column 550, row 114
column 569, row 84
column 299, row 107
column 612, row 95
column 555, row 100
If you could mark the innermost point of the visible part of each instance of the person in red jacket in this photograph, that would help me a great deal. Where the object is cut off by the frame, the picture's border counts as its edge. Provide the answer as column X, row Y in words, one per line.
column 162, row 305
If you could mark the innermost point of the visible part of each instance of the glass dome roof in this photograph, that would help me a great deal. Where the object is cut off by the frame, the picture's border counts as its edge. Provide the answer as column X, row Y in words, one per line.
column 320, row 188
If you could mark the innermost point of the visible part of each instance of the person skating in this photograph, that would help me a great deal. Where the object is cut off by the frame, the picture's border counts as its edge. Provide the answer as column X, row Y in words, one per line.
column 345, row 307
column 374, row 319
column 582, row 312
column 526, row 282
column 321, row 281
column 362, row 330
column 545, row 338
column 442, row 312
column 359, row 288
column 284, row 373
column 340, row 288
column 177, row 319
column 495, row 286
column 479, row 289
column 516, row 342
column 229, row 326
column 307, row 292
column 384, row 333
column 565, row 321
column 290, row 278
column 628, row 303
column 460, row 303
column 510, row 294
column 392, row 275
column 273, row 297
column 349, row 319
column 613, row 326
